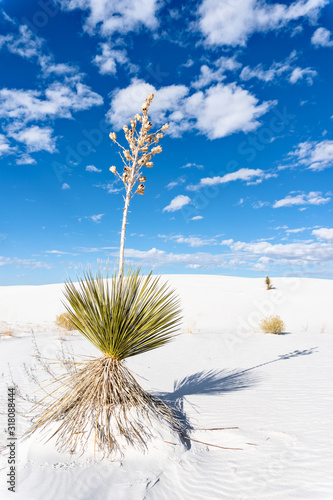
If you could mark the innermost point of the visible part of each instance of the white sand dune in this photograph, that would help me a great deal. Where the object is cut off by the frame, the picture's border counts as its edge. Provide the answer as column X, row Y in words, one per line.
column 275, row 389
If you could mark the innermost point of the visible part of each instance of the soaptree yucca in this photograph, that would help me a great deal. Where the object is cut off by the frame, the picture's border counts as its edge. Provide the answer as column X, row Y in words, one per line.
column 100, row 398
column 122, row 316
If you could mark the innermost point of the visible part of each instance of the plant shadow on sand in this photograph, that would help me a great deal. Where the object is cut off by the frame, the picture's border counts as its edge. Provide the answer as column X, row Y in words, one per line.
column 215, row 382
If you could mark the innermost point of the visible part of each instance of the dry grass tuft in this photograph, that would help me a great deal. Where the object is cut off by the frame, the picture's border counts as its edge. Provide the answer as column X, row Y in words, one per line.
column 7, row 332
column 272, row 324
column 64, row 321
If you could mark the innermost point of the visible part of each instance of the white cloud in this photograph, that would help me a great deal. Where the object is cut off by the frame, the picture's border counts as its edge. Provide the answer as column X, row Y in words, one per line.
column 175, row 183
column 192, row 165
column 207, row 75
column 19, row 108
column 177, row 203
column 24, row 44
column 92, row 168
column 96, row 218
column 109, row 58
column 35, row 138
column 65, row 186
column 110, row 17
column 109, row 187
column 58, row 252
column 193, row 241
column 244, row 174
column 322, row 38
column 323, row 233
column 219, row 111
column 296, row 230
column 126, row 102
column 300, row 73
column 314, row 155
column 27, row 45
column 312, row 198
column 301, row 252
column 293, row 257
column 225, row 109
column 155, row 257
column 27, row 263
column 232, row 23
column 25, row 159
column 285, row 68
column 4, row 145
column 58, row 100
column 49, row 67
column 196, row 217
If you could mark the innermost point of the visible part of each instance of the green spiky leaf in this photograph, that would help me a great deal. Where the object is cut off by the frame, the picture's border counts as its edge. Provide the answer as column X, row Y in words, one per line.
column 123, row 316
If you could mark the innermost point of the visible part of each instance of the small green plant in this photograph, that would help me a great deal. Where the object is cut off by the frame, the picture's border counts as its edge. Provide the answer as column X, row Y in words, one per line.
column 272, row 324
column 268, row 282
column 63, row 320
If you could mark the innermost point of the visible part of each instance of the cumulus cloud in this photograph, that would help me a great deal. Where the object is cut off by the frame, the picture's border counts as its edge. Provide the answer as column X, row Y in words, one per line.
column 65, row 186
column 109, row 58
column 312, row 198
column 121, row 17
column 196, row 217
column 285, row 69
column 25, row 159
column 35, row 138
column 208, row 75
column 92, row 168
column 24, row 43
column 219, row 111
column 302, row 73
column 232, row 23
column 244, row 174
column 59, row 100
column 322, row 38
column 126, row 102
column 19, row 108
column 315, row 155
column 324, row 233
column 177, row 203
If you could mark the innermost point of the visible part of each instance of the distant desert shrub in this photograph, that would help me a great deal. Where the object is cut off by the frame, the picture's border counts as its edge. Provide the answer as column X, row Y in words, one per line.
column 7, row 332
column 268, row 283
column 272, row 324
column 63, row 320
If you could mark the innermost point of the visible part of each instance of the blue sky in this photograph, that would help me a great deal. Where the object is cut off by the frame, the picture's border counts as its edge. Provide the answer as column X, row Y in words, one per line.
column 244, row 183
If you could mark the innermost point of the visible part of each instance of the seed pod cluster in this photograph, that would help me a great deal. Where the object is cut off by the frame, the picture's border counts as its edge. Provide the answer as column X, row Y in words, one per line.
column 142, row 146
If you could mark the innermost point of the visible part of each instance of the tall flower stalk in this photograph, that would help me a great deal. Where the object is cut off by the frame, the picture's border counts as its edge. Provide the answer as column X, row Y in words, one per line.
column 143, row 145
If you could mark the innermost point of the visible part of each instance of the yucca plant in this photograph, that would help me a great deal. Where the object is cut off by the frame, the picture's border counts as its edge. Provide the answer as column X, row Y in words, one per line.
column 122, row 317
column 269, row 284
column 126, row 315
